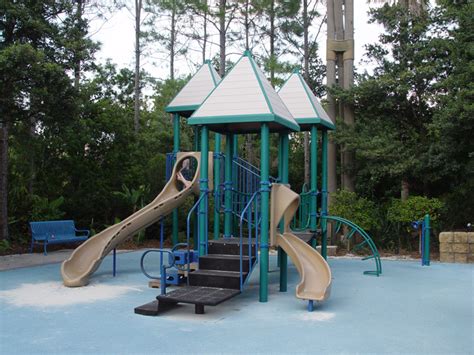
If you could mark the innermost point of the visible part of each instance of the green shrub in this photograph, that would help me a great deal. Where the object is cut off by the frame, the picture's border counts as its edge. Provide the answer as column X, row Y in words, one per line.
column 413, row 209
column 359, row 210
column 42, row 209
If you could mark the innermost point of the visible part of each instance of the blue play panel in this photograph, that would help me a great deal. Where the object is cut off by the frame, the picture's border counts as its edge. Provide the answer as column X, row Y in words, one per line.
column 409, row 309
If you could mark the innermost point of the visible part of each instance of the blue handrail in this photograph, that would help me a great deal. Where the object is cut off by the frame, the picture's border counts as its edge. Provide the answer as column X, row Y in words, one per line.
column 188, row 221
column 248, row 210
column 163, row 267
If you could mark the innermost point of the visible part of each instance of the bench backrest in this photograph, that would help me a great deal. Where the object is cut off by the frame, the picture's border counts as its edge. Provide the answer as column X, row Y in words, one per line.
column 53, row 227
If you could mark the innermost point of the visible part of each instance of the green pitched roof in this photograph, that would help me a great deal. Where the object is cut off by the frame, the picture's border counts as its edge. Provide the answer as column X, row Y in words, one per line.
column 303, row 104
column 242, row 101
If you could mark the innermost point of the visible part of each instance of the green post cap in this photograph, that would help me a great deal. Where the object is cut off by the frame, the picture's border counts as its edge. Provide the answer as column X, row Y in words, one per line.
column 247, row 53
column 296, row 70
column 207, row 61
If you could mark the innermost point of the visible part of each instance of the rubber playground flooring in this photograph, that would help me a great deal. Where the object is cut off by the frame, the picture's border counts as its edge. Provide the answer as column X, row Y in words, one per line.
column 408, row 310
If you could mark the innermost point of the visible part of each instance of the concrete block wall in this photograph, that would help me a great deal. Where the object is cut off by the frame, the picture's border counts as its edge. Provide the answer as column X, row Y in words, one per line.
column 456, row 247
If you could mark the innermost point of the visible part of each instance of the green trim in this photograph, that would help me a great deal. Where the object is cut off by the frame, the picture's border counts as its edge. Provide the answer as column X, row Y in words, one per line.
column 177, row 109
column 287, row 123
column 263, row 117
column 212, row 71
column 309, row 93
column 315, row 121
column 267, row 100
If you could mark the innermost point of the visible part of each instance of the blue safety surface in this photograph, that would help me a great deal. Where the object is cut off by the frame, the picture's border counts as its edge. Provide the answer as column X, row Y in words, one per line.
column 409, row 309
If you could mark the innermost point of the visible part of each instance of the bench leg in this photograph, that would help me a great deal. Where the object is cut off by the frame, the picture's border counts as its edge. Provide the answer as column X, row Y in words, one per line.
column 45, row 246
column 32, row 245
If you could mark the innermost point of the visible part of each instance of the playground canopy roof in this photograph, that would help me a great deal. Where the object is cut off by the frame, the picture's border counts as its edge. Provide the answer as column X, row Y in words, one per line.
column 303, row 104
column 242, row 101
column 195, row 91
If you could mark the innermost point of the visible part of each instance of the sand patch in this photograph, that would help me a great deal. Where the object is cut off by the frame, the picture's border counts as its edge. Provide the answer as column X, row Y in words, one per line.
column 55, row 294
column 316, row 316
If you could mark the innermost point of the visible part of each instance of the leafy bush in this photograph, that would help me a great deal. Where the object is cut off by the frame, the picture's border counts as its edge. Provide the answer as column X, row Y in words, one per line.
column 44, row 210
column 359, row 210
column 413, row 209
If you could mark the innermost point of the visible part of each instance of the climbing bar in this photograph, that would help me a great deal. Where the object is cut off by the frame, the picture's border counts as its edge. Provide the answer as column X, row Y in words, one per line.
column 367, row 239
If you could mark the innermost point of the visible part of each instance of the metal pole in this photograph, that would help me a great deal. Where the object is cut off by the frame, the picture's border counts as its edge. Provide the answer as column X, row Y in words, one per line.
column 176, row 144
column 217, row 182
column 324, row 196
column 426, row 241
column 228, row 187
column 314, row 182
column 203, row 184
column 265, row 197
column 196, row 217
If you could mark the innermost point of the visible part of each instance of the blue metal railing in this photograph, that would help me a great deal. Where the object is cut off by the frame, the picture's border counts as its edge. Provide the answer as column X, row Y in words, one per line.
column 163, row 267
column 252, row 211
column 197, row 242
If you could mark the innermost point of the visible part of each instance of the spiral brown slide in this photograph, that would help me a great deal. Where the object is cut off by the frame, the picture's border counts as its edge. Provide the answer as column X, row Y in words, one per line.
column 86, row 259
column 315, row 283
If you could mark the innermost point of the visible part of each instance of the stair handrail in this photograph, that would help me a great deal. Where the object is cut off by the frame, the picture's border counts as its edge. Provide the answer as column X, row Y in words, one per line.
column 249, row 219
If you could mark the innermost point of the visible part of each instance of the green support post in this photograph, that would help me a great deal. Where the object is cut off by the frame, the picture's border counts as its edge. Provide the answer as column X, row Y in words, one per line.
column 176, row 144
column 235, row 154
column 204, row 188
column 228, row 186
column 280, row 174
column 324, row 196
column 217, row 182
column 283, row 257
column 426, row 241
column 195, row 222
column 265, row 198
column 314, row 182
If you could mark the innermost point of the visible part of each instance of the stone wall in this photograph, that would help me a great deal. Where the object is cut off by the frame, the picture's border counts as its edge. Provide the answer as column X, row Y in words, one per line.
column 456, row 247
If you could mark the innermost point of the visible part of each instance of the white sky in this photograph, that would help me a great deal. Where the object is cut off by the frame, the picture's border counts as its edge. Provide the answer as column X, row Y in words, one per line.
column 117, row 38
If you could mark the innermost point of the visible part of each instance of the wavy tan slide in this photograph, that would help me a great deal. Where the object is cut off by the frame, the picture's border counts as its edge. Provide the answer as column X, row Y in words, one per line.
column 315, row 283
column 85, row 260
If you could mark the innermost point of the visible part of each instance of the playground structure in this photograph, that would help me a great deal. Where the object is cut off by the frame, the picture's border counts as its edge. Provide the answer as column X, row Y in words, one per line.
column 242, row 102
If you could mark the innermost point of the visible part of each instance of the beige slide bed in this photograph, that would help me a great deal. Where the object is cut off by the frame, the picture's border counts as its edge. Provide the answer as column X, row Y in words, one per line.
column 85, row 260
column 315, row 283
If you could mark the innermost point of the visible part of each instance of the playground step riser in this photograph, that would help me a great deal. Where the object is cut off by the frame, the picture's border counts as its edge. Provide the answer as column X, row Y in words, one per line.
column 224, row 263
column 230, row 249
column 213, row 280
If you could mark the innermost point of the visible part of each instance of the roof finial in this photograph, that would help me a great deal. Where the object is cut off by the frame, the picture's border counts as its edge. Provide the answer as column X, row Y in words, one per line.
column 296, row 70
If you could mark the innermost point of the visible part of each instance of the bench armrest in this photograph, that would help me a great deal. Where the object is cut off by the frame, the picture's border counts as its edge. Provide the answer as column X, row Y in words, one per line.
column 87, row 232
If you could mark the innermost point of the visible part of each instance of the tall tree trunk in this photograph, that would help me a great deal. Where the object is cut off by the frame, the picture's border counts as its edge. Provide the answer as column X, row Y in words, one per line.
column 3, row 180
column 349, row 156
column 247, row 25
column 405, row 190
column 332, row 109
column 172, row 40
column 77, row 56
column 272, row 42
column 136, row 114
column 204, row 42
column 222, row 37
column 306, row 76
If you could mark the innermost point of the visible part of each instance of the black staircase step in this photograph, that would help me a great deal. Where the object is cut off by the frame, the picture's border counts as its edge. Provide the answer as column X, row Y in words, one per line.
column 224, row 262
column 206, row 296
column 216, row 278
column 230, row 246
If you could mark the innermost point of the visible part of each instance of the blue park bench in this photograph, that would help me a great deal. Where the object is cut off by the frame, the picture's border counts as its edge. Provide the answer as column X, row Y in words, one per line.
column 55, row 232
